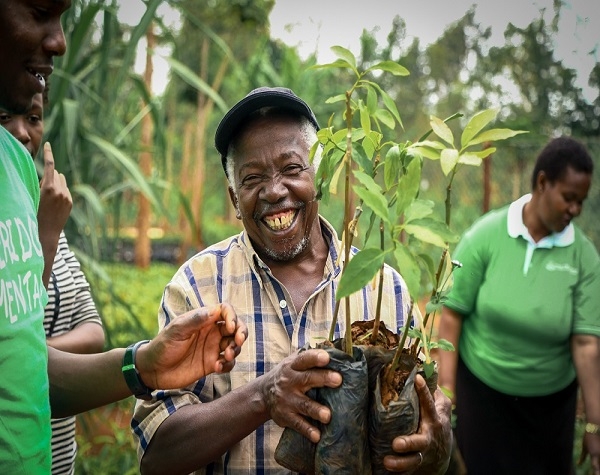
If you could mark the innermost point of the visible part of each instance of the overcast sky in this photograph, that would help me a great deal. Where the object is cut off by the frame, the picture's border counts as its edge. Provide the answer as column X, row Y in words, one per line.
column 316, row 25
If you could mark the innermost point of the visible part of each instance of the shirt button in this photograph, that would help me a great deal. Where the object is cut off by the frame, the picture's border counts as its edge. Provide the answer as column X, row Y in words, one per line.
column 282, row 303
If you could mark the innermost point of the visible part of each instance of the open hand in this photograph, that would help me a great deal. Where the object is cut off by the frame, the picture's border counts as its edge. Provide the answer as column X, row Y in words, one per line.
column 193, row 345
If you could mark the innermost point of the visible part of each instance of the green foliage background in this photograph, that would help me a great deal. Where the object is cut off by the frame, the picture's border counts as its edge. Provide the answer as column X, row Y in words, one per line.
column 97, row 103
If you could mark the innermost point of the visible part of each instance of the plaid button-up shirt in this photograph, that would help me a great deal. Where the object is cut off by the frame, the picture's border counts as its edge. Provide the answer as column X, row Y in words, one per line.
column 232, row 272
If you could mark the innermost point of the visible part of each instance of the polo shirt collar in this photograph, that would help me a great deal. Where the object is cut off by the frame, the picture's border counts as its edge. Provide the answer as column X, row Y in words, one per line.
column 517, row 228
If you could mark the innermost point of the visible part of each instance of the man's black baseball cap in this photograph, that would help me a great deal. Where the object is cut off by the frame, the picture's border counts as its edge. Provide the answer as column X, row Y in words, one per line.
column 256, row 99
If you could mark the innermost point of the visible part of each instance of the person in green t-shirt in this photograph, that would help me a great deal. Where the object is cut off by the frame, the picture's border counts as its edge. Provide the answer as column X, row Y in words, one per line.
column 524, row 317
column 34, row 377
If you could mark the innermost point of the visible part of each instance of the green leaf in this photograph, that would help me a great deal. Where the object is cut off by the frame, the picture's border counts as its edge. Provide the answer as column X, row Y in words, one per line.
column 359, row 271
column 432, row 306
column 360, row 157
column 408, row 186
column 442, row 130
column 335, row 178
column 469, row 159
column 385, row 118
column 431, row 231
column 89, row 194
column 445, row 345
column 390, row 67
column 476, row 124
column 435, row 144
column 376, row 202
column 337, row 64
column 344, row 54
column 126, row 164
column 448, row 160
column 495, row 134
column 368, row 182
column 486, row 152
column 191, row 78
column 426, row 152
column 429, row 368
column 418, row 209
column 371, row 99
column 369, row 144
column 335, row 99
column 392, row 166
column 409, row 269
column 389, row 103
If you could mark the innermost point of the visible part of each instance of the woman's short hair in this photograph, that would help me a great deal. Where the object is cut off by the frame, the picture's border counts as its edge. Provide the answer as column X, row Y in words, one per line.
column 559, row 154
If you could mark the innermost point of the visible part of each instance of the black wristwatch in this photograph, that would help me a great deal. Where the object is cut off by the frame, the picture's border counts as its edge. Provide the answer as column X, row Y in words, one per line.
column 132, row 377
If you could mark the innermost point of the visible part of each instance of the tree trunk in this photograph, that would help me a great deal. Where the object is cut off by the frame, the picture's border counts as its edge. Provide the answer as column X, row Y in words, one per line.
column 143, row 250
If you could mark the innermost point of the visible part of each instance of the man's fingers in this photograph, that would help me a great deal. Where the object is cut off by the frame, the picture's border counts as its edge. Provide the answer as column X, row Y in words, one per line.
column 48, row 162
column 425, row 398
column 303, row 427
column 310, row 359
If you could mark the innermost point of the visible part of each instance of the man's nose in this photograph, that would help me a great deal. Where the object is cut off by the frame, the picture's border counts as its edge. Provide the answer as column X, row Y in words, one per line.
column 19, row 131
column 274, row 188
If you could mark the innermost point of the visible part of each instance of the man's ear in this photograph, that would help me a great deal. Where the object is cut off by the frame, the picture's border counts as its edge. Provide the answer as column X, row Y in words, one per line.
column 235, row 202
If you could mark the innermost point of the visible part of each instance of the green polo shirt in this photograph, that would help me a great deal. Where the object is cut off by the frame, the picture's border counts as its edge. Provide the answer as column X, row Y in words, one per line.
column 522, row 301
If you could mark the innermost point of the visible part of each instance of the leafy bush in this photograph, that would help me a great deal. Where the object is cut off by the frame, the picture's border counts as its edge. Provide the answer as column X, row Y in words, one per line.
column 128, row 302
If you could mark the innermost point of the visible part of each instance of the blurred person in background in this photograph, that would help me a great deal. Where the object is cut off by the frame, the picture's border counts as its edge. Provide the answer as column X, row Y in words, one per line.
column 524, row 317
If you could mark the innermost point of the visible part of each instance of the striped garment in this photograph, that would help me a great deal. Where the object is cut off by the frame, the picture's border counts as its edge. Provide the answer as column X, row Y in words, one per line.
column 69, row 304
column 232, row 272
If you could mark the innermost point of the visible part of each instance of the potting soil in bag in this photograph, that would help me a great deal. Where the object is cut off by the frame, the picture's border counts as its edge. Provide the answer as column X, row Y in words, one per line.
column 401, row 417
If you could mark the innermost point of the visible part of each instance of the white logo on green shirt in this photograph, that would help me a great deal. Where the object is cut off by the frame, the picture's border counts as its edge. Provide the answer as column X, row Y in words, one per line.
column 555, row 266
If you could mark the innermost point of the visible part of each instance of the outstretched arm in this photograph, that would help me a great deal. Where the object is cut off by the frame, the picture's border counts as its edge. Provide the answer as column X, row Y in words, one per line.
column 197, row 343
column 216, row 426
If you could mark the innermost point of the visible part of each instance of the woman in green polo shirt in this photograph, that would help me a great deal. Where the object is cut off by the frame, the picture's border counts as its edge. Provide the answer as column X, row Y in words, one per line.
column 524, row 316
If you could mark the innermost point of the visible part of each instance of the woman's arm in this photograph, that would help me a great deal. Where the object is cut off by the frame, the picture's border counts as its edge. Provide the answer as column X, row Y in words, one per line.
column 586, row 357
column 450, row 329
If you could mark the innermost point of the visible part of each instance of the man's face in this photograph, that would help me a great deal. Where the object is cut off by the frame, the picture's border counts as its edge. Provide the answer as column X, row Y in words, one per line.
column 274, row 188
column 26, row 128
column 30, row 36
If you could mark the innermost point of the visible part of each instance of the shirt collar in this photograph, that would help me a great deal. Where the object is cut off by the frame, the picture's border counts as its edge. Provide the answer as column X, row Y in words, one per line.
column 517, row 228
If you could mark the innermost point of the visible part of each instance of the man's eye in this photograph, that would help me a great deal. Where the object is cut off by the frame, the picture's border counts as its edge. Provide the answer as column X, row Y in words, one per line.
column 292, row 170
column 35, row 119
column 251, row 180
column 4, row 118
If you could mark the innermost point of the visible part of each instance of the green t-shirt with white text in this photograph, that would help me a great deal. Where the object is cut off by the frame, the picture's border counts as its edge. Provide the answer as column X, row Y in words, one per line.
column 24, row 402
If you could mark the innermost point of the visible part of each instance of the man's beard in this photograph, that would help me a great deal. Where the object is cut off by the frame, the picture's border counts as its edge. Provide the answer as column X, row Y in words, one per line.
column 287, row 254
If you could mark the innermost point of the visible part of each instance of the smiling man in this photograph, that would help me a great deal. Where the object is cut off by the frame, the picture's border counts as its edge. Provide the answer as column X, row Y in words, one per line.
column 280, row 275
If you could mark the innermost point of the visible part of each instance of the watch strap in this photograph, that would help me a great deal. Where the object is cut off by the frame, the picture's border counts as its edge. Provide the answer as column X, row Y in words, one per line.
column 131, row 374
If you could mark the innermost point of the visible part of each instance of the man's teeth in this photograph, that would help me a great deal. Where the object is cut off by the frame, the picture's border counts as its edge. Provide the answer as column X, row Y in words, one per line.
column 280, row 222
column 39, row 77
